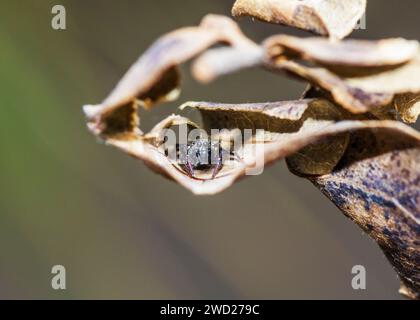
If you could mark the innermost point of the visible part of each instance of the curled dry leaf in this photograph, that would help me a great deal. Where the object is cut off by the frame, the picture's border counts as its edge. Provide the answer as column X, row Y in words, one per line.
column 351, row 98
column 154, row 77
column 359, row 75
column 333, row 18
column 282, row 121
column 220, row 61
column 345, row 58
column 357, row 94
column 386, row 112
column 376, row 184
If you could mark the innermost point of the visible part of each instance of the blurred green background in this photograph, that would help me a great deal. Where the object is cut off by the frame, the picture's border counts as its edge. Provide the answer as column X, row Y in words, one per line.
column 120, row 230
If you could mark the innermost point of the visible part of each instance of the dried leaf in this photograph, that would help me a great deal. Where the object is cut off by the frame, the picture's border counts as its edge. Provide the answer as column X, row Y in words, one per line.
column 270, row 116
column 154, row 77
column 386, row 112
column 280, row 120
column 377, row 185
column 218, row 62
column 345, row 58
column 358, row 95
column 352, row 99
column 405, row 79
column 385, row 69
column 334, row 18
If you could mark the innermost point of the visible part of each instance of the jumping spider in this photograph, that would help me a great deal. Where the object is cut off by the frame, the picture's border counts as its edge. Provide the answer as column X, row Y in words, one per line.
column 202, row 154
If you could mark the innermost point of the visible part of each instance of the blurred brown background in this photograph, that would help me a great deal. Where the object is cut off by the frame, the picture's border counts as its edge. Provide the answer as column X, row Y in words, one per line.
column 120, row 230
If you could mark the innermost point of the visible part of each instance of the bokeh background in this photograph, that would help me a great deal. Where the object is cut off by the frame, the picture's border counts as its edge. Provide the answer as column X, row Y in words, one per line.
column 120, row 230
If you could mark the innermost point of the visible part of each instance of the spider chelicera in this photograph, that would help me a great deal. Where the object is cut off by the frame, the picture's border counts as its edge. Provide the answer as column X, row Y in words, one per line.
column 202, row 154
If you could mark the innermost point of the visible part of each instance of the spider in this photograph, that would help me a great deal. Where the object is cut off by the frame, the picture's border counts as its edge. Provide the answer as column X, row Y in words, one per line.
column 202, row 154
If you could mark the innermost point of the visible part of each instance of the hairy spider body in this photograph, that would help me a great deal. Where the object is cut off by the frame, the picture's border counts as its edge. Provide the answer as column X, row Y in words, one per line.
column 202, row 154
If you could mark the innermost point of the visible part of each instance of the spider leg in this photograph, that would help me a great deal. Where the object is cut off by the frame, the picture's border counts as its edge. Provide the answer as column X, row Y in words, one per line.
column 217, row 168
column 189, row 169
column 234, row 157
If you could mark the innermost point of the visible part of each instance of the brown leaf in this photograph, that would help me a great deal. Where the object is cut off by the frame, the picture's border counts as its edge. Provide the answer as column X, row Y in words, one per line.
column 280, row 120
column 333, row 18
column 386, row 112
column 351, row 98
column 154, row 78
column 405, row 79
column 377, row 185
column 345, row 58
column 220, row 61
column 358, row 95
column 359, row 75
